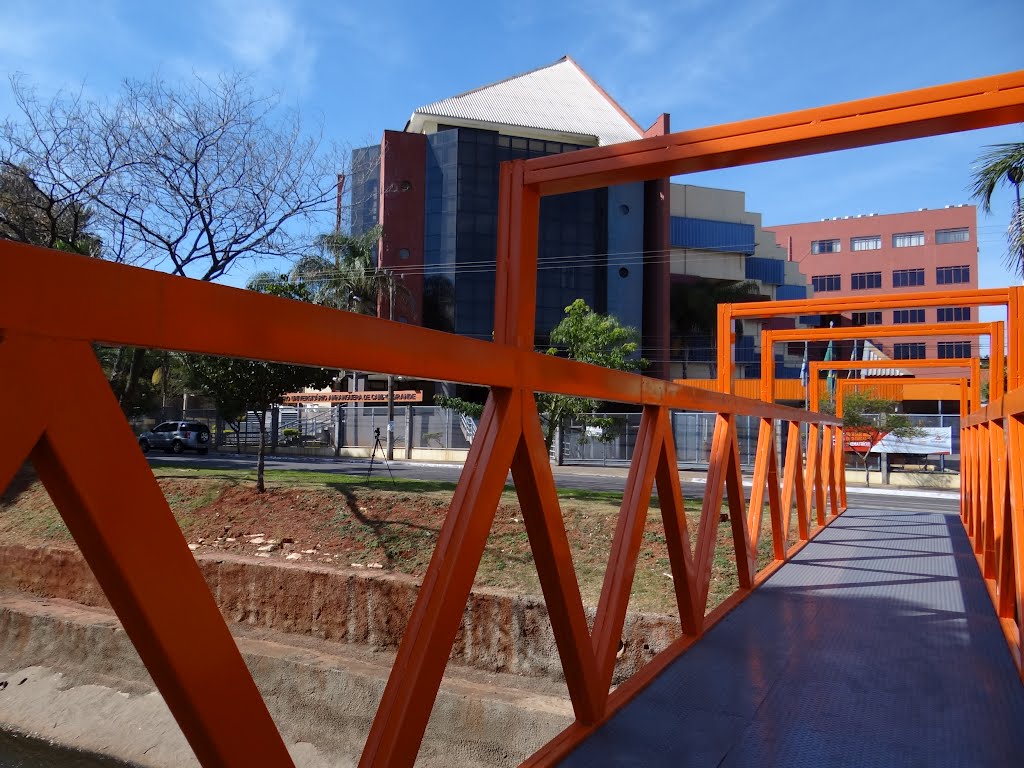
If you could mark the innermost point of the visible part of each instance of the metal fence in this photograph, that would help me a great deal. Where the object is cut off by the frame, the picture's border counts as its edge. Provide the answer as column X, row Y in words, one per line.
column 582, row 444
column 325, row 430
column 692, row 432
column 316, row 431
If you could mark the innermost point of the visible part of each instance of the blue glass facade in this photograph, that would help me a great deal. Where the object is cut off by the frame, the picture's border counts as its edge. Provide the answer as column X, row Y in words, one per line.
column 365, row 188
column 461, row 234
column 439, row 247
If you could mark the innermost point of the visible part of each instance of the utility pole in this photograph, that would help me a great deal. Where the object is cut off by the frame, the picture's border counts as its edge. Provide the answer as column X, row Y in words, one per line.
column 391, row 378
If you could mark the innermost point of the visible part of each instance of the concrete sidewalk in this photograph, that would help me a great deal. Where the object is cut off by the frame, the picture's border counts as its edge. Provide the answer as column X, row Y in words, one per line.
column 699, row 476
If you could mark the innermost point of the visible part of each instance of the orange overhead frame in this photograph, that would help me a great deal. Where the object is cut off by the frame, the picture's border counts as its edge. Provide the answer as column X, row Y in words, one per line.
column 994, row 330
column 47, row 328
column 973, row 392
column 844, row 384
column 962, row 106
column 1012, row 298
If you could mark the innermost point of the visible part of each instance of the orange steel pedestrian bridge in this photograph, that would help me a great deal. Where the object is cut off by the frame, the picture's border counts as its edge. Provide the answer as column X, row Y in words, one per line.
column 874, row 639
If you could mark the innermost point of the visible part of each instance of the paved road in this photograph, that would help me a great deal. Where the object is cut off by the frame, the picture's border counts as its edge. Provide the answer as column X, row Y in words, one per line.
column 593, row 478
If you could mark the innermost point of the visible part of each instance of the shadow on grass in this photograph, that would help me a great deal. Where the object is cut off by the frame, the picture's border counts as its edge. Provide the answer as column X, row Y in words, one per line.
column 394, row 537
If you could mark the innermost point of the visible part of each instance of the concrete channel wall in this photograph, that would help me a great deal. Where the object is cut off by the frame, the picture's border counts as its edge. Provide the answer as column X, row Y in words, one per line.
column 319, row 642
column 500, row 631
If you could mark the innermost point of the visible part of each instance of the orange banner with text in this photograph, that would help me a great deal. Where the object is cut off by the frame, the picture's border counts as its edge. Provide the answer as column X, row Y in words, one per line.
column 333, row 398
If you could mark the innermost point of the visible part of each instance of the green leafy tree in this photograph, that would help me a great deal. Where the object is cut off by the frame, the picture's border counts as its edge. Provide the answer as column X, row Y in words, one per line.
column 457, row 404
column 1003, row 164
column 868, row 418
column 238, row 386
column 593, row 338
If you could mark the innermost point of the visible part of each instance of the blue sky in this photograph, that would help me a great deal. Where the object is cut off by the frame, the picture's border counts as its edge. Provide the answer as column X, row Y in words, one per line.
column 357, row 68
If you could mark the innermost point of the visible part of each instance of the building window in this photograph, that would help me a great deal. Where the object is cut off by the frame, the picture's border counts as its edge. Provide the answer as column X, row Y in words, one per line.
column 951, row 275
column 911, row 351
column 907, row 239
column 860, row 281
column 872, row 243
column 908, row 316
column 953, row 314
column 960, row 235
column 907, row 278
column 953, row 349
column 867, row 318
column 825, row 246
column 827, row 283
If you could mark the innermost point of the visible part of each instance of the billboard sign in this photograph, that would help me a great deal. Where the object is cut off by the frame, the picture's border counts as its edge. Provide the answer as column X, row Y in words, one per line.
column 934, row 440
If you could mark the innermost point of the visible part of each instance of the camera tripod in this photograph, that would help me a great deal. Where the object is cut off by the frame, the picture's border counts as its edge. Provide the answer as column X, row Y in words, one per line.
column 383, row 455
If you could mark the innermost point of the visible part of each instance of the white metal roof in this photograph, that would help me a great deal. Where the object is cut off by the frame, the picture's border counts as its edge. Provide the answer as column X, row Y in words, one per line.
column 559, row 97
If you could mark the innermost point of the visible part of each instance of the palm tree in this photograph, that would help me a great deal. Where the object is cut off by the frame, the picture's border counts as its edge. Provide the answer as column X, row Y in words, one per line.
column 1002, row 163
column 342, row 273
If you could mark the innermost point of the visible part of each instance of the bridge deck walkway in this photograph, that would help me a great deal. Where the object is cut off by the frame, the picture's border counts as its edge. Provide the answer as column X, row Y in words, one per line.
column 877, row 645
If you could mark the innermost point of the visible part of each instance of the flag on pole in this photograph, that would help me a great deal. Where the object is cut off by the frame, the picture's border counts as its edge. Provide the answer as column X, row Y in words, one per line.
column 831, row 380
column 803, row 369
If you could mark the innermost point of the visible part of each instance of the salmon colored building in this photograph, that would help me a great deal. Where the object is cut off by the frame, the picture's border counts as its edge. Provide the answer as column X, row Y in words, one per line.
column 924, row 250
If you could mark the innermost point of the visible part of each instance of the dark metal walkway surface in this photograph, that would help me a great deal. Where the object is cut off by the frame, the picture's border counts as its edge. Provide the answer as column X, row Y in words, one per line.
column 876, row 646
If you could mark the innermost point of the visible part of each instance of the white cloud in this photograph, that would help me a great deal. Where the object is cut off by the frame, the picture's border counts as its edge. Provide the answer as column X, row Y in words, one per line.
column 682, row 53
column 264, row 36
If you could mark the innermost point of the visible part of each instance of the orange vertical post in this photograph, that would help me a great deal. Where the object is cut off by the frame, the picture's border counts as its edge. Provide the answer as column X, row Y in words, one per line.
column 768, row 369
column 724, row 349
column 1015, row 460
column 841, row 446
column 997, row 371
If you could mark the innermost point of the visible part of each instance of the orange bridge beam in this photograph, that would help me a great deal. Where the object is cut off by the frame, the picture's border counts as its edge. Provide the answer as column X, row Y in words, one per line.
column 994, row 330
column 1012, row 298
column 974, row 380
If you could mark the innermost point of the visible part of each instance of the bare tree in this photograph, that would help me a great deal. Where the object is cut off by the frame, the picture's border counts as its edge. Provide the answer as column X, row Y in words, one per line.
column 190, row 178
column 50, row 171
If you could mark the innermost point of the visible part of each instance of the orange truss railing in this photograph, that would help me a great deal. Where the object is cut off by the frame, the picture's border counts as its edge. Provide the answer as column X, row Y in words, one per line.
column 157, row 591
column 53, row 307
column 992, row 507
column 991, row 447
